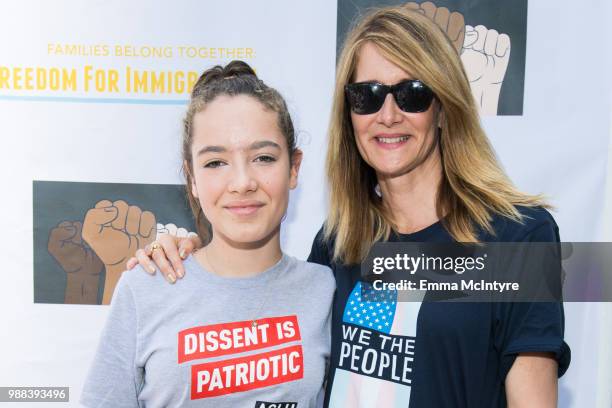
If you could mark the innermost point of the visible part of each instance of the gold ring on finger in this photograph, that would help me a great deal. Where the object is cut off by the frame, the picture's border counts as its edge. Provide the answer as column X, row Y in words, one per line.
column 155, row 245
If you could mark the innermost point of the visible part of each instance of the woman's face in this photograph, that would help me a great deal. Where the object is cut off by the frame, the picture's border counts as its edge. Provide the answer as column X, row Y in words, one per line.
column 241, row 169
column 391, row 141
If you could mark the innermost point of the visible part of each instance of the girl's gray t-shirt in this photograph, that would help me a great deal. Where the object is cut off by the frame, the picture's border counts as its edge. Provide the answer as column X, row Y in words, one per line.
column 194, row 343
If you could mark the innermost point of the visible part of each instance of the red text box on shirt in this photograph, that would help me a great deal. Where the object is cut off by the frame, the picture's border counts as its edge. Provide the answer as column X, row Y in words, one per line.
column 236, row 337
column 247, row 373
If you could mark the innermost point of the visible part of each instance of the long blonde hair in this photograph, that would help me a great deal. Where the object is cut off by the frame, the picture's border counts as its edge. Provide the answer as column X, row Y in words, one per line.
column 473, row 186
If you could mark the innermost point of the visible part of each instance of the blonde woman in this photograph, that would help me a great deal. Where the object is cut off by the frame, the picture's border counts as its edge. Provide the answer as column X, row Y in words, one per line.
column 408, row 161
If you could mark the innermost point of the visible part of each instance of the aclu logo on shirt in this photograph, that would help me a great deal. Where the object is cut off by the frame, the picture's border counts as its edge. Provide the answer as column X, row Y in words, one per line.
column 263, row 404
column 375, row 364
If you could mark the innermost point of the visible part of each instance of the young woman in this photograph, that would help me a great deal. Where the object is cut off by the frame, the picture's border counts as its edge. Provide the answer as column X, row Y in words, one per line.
column 243, row 330
column 409, row 162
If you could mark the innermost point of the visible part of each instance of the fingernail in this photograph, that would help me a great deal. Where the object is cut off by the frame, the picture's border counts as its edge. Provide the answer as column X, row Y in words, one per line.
column 180, row 273
column 182, row 254
column 171, row 278
column 151, row 269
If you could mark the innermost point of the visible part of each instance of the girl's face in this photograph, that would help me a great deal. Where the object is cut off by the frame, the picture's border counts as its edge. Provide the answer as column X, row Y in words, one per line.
column 241, row 169
column 391, row 141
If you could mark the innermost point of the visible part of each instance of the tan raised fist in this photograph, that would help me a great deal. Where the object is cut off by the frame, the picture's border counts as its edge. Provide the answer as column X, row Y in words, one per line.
column 115, row 230
column 453, row 24
column 81, row 264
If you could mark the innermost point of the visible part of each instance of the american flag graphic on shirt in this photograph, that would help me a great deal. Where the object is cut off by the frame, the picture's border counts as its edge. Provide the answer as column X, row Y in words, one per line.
column 370, row 308
column 377, row 351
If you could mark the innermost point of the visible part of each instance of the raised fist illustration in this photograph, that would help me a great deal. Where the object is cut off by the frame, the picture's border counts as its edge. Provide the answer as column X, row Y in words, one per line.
column 115, row 230
column 81, row 264
column 485, row 57
column 453, row 24
column 173, row 230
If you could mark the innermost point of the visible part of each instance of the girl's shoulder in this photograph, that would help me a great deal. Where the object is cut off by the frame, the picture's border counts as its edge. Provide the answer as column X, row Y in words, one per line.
column 314, row 273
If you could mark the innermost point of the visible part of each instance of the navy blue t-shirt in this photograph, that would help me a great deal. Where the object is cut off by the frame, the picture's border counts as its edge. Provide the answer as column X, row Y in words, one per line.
column 435, row 354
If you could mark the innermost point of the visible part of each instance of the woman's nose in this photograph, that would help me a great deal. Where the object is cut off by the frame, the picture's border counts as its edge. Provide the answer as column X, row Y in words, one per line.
column 389, row 113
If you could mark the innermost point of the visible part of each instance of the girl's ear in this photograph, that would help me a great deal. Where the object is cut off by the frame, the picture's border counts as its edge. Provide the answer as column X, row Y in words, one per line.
column 296, row 161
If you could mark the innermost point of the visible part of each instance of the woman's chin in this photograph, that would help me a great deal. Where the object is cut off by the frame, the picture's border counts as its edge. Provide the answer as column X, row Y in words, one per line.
column 388, row 171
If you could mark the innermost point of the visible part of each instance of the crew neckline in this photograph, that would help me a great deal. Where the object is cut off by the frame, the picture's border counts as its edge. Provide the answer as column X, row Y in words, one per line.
column 259, row 279
column 432, row 229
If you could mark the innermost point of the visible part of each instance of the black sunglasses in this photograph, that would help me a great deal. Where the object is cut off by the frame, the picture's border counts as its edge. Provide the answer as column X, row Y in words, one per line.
column 411, row 96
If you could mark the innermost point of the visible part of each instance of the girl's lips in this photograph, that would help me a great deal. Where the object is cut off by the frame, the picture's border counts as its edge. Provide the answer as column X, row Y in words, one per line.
column 244, row 209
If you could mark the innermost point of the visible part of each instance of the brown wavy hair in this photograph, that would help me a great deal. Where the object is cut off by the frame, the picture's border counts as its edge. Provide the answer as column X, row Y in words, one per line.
column 236, row 78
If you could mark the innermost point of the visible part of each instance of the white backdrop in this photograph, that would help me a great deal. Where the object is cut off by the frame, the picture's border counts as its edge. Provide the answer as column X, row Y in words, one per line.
column 560, row 146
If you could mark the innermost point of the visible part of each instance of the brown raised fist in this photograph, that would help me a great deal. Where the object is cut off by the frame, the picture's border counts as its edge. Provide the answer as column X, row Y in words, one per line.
column 77, row 259
column 453, row 24
column 115, row 230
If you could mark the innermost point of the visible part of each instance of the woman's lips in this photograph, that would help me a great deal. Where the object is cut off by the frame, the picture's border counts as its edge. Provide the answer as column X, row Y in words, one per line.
column 391, row 142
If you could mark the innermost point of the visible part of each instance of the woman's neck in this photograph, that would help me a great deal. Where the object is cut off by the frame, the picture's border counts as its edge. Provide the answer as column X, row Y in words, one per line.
column 227, row 259
column 412, row 197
